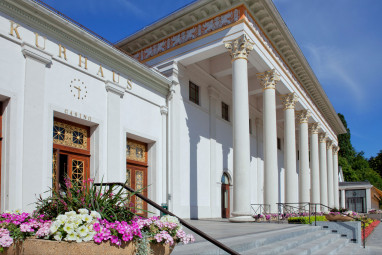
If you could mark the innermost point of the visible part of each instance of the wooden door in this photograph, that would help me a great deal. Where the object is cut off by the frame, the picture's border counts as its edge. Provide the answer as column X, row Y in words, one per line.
column 225, row 201
column 136, row 178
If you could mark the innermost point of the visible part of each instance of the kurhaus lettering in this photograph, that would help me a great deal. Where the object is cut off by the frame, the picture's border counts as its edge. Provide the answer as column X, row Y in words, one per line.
column 41, row 42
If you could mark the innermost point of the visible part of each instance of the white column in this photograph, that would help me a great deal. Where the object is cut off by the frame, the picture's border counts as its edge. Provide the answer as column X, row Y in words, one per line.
column 329, row 153
column 35, row 170
column 335, row 177
column 115, row 170
column 164, row 112
column 303, row 175
column 323, row 172
column 291, row 177
column 343, row 204
column 268, row 81
column 214, row 199
column 239, row 49
column 314, row 165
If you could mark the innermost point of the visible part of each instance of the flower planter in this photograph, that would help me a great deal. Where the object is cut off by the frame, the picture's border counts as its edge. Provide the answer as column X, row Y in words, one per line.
column 331, row 217
column 46, row 247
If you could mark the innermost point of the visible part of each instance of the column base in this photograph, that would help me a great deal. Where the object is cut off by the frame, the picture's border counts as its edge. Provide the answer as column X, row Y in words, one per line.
column 241, row 219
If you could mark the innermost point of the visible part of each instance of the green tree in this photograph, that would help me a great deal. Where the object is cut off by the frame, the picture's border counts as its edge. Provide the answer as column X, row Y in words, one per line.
column 376, row 163
column 346, row 148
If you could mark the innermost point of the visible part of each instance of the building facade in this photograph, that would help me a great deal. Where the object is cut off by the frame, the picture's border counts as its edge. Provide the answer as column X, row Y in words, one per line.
column 212, row 108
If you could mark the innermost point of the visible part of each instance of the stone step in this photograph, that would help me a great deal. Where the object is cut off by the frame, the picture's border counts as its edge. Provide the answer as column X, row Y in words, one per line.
column 244, row 243
column 288, row 243
column 333, row 248
column 356, row 249
column 314, row 245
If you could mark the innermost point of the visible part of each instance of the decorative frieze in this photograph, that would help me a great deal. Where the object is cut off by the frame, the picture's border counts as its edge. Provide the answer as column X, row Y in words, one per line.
column 314, row 127
column 268, row 79
column 239, row 47
column 303, row 116
column 289, row 100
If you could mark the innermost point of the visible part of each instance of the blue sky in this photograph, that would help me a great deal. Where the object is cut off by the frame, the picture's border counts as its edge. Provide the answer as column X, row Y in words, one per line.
column 341, row 39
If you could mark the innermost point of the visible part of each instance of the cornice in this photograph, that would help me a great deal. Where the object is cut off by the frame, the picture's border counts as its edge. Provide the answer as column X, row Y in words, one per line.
column 71, row 35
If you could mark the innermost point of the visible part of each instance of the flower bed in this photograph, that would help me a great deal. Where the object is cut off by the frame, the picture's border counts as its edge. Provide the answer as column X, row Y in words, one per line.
column 369, row 228
column 88, row 220
column 305, row 219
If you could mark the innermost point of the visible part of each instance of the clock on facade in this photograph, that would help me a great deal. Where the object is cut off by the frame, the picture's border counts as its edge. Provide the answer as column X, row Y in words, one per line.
column 78, row 89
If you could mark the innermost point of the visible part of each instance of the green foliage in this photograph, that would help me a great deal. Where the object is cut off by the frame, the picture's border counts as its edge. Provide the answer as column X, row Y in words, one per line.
column 305, row 219
column 355, row 166
column 113, row 203
column 376, row 163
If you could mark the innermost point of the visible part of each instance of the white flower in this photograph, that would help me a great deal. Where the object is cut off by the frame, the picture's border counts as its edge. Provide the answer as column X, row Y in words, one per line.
column 53, row 228
column 171, row 219
column 69, row 228
column 87, row 218
column 95, row 214
column 71, row 213
column 83, row 211
column 79, row 239
column 82, row 231
column 71, row 237
column 88, row 238
column 58, row 236
column 77, row 222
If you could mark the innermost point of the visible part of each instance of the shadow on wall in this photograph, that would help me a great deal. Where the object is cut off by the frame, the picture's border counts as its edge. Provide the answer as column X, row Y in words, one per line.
column 194, row 140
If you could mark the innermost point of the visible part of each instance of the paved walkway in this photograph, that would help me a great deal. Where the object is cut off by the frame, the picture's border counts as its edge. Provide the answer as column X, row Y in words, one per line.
column 221, row 228
column 374, row 241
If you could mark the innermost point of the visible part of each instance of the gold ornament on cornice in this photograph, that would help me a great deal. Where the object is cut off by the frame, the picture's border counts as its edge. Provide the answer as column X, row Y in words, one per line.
column 239, row 48
column 314, row 127
column 289, row 100
column 268, row 79
column 329, row 145
column 303, row 116
column 323, row 137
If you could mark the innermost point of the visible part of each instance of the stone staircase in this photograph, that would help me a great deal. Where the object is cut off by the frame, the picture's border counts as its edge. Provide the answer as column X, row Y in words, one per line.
column 298, row 240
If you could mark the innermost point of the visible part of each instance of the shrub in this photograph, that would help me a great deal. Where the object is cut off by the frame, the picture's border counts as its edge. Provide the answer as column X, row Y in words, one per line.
column 305, row 220
column 113, row 203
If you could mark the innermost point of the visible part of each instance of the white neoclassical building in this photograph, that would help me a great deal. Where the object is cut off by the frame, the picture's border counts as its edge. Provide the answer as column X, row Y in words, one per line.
column 212, row 108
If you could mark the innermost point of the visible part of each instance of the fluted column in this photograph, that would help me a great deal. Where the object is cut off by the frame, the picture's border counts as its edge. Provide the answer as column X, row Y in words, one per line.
column 303, row 176
column 291, row 177
column 323, row 171
column 268, row 81
column 314, row 165
column 239, row 49
column 343, row 204
column 335, row 177
column 329, row 153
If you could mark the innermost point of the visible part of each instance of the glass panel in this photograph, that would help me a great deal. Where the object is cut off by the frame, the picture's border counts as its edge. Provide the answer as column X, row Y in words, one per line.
column 138, row 187
column 225, row 199
column 78, row 137
column 128, row 177
column 225, row 179
column 127, row 150
column 136, row 151
column 58, row 133
column 139, row 152
column 78, row 171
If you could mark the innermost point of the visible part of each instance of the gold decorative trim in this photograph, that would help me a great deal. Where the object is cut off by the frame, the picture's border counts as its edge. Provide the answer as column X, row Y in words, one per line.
column 289, row 100
column 139, row 187
column 314, row 128
column 128, row 177
column 303, row 116
column 54, row 169
column 239, row 48
column 69, row 135
column 78, row 171
column 268, row 79
column 323, row 137
column 136, row 151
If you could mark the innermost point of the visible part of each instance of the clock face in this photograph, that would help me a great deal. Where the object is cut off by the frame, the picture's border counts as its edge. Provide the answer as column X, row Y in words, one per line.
column 78, row 89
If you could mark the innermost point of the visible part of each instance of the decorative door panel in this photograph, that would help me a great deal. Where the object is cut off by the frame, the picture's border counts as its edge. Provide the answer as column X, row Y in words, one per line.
column 136, row 178
column 77, row 166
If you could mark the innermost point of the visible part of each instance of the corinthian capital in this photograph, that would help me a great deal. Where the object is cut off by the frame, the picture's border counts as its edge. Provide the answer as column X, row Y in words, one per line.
column 323, row 137
column 314, row 128
column 268, row 79
column 303, row 116
column 289, row 100
column 329, row 144
column 239, row 47
column 336, row 149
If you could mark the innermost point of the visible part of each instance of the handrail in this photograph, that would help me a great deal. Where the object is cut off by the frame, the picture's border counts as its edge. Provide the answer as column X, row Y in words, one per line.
column 190, row 227
column 315, row 214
